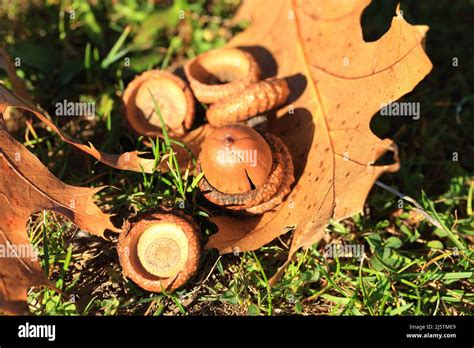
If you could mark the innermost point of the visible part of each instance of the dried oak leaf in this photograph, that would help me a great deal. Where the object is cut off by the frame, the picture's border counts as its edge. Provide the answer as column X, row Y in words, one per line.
column 27, row 187
column 13, row 117
column 338, row 82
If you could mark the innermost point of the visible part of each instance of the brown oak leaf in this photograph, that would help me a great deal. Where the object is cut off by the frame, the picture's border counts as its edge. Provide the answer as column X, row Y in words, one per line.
column 27, row 187
column 338, row 82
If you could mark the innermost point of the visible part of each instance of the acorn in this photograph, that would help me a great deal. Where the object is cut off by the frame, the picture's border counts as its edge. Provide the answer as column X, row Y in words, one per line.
column 245, row 170
column 173, row 98
column 160, row 251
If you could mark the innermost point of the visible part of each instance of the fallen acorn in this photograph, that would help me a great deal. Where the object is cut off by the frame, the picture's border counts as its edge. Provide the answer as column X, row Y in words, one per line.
column 220, row 73
column 244, row 170
column 173, row 98
column 160, row 251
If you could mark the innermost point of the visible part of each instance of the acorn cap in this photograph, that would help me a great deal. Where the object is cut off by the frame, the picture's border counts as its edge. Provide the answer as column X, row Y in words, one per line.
column 257, row 99
column 160, row 251
column 220, row 73
column 173, row 98
column 236, row 159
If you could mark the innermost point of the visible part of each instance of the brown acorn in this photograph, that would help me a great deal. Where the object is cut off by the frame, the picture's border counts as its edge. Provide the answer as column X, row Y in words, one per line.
column 245, row 170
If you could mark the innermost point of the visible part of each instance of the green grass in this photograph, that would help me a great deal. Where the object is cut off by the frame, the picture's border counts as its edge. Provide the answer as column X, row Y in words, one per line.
column 412, row 266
